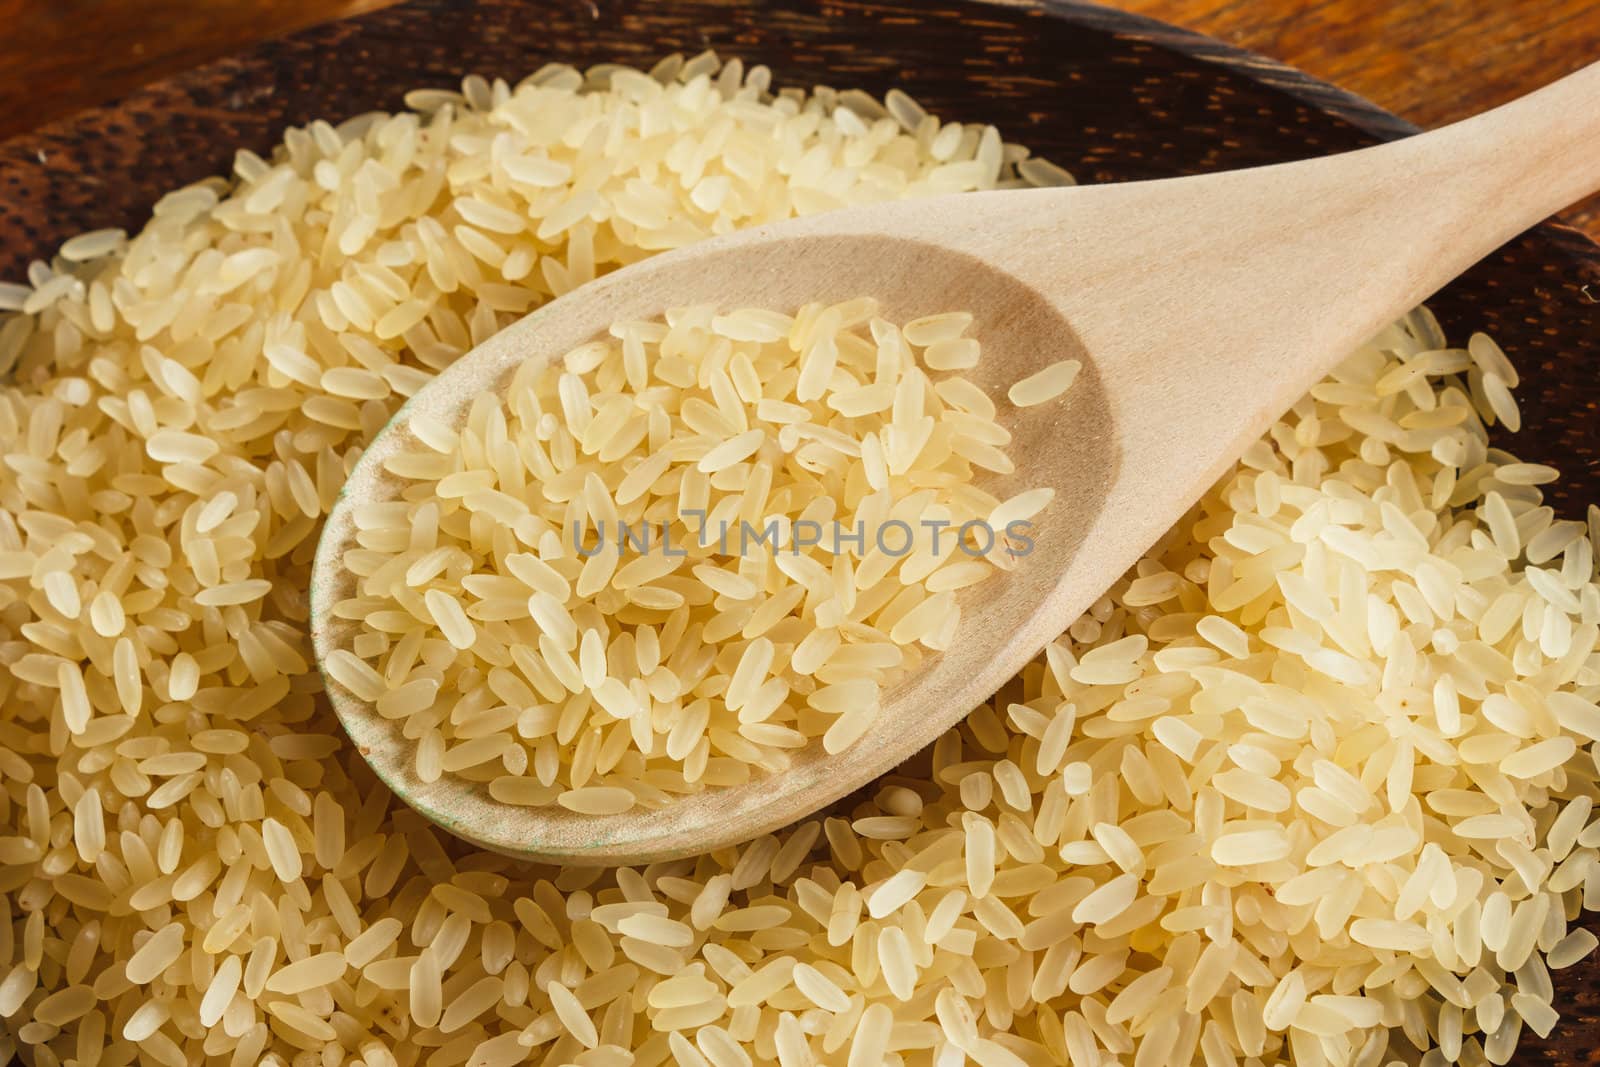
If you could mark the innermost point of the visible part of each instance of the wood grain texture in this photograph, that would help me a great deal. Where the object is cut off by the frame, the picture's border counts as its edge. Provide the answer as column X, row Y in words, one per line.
column 1429, row 61
column 1110, row 96
column 60, row 56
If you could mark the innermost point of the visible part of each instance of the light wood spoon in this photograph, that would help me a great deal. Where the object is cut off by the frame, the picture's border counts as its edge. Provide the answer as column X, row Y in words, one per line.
column 1201, row 308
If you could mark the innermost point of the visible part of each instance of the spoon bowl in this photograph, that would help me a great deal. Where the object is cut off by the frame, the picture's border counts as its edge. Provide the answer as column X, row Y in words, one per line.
column 1023, row 332
column 1200, row 309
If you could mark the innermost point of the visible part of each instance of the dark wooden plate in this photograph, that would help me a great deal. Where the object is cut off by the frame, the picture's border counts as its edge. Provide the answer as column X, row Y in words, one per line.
column 1108, row 95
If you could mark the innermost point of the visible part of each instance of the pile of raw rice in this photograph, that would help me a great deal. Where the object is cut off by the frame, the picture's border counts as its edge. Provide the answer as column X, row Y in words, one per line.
column 668, row 560
column 1314, row 783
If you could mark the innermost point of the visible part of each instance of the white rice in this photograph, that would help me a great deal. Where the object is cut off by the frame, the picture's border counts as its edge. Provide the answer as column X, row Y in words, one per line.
column 1347, row 649
column 1045, row 385
column 559, row 684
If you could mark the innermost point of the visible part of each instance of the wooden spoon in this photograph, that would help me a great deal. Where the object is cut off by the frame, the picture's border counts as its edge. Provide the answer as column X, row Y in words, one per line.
column 1200, row 307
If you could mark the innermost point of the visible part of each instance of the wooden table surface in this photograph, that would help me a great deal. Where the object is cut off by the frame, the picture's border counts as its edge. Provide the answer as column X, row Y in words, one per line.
column 1429, row 60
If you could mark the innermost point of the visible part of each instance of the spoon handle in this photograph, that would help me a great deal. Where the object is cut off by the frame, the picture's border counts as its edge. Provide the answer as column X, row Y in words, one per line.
column 1500, row 172
column 1274, row 271
column 1210, row 304
column 1385, row 227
